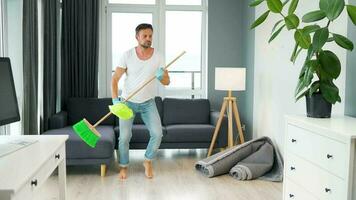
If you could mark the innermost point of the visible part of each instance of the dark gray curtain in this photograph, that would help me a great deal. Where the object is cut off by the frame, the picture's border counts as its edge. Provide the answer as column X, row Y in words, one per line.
column 50, row 14
column 30, row 67
column 79, row 49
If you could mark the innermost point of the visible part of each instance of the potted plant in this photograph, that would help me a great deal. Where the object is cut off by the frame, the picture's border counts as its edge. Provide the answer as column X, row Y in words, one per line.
column 321, row 63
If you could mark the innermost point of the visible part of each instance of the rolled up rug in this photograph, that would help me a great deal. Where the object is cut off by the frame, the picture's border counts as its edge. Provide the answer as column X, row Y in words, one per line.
column 255, row 165
column 222, row 162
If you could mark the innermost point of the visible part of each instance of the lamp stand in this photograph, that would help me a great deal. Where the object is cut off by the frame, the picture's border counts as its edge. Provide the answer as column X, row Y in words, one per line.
column 230, row 104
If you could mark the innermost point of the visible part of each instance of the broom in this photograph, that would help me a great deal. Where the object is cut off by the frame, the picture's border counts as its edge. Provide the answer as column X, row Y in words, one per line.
column 88, row 132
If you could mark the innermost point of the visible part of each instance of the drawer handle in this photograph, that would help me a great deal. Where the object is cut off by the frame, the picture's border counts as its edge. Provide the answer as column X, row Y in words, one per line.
column 57, row 156
column 329, row 156
column 292, row 168
column 34, row 182
column 327, row 190
column 291, row 195
column 294, row 140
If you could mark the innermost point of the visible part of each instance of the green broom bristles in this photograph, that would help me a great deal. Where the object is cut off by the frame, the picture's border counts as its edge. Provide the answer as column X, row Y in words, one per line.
column 88, row 135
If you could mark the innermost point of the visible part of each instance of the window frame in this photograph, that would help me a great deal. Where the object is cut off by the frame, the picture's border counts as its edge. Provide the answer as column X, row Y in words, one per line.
column 158, row 11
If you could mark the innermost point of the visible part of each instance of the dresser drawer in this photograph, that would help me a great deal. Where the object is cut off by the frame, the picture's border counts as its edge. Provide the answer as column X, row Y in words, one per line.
column 317, row 181
column 295, row 192
column 42, row 174
column 324, row 152
column 50, row 165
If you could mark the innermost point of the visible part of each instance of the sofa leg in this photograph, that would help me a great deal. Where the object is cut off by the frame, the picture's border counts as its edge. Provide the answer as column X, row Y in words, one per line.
column 102, row 170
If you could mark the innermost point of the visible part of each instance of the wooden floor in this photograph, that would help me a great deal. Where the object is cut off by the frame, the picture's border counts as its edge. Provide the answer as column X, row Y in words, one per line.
column 175, row 178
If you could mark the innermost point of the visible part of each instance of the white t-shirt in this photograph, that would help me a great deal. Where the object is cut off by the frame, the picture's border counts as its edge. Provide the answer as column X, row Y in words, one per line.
column 137, row 73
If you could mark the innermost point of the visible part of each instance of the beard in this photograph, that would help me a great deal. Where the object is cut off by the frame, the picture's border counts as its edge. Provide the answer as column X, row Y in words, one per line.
column 146, row 45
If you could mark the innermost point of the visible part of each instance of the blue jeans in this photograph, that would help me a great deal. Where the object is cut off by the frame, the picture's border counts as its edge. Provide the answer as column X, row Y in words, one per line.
column 151, row 118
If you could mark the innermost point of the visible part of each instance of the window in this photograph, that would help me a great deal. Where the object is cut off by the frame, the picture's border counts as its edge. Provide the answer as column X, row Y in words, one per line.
column 124, row 40
column 183, row 2
column 178, row 25
column 185, row 73
column 132, row 1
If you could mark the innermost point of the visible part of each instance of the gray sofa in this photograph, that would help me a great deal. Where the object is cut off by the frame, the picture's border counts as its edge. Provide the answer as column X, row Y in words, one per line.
column 186, row 123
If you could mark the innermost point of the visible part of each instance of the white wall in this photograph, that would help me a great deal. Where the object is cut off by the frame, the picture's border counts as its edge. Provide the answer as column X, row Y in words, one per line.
column 275, row 77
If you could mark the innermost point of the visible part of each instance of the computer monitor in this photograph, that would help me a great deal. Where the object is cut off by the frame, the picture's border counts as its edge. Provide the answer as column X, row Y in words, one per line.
column 9, row 111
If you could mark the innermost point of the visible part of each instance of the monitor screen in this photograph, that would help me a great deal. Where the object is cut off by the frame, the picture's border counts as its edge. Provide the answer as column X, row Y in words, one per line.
column 9, row 111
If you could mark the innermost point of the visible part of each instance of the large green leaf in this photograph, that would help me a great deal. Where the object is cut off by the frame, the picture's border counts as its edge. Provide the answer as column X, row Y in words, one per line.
column 351, row 10
column 330, row 91
column 313, row 16
column 343, row 42
column 320, row 38
column 274, row 35
column 256, row 3
column 322, row 74
column 302, row 71
column 293, row 6
column 292, row 21
column 310, row 53
column 314, row 87
column 332, row 8
column 275, row 5
column 307, row 71
column 302, row 95
column 302, row 39
column 292, row 58
column 295, row 54
column 260, row 20
column 311, row 28
column 300, row 86
column 330, row 63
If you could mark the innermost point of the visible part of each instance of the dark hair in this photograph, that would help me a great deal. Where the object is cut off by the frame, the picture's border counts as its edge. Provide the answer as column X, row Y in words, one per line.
column 142, row 27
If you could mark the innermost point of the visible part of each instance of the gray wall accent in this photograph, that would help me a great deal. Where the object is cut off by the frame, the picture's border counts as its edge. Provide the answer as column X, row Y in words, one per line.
column 350, row 93
column 248, row 61
column 231, row 45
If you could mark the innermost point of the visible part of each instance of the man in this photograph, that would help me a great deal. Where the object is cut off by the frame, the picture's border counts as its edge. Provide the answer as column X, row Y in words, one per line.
column 139, row 64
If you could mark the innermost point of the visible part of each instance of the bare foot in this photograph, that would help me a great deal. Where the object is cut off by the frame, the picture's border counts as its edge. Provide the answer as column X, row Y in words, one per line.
column 148, row 168
column 123, row 173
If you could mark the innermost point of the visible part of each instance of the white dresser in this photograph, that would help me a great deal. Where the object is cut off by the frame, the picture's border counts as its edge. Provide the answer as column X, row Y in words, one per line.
column 23, row 171
column 319, row 158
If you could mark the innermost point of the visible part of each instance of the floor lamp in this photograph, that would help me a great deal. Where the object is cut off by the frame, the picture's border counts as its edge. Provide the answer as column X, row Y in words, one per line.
column 229, row 79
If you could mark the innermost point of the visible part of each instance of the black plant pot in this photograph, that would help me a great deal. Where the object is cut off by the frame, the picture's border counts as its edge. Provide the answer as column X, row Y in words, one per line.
column 317, row 106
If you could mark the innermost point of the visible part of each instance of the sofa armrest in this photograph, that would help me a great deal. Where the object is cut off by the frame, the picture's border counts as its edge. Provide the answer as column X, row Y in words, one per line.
column 58, row 120
column 221, row 140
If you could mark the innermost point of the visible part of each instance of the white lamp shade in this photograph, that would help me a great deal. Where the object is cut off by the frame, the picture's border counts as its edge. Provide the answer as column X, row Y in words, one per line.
column 230, row 78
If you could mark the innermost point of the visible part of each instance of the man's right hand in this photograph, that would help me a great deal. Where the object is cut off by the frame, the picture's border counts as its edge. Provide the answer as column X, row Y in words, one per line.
column 160, row 73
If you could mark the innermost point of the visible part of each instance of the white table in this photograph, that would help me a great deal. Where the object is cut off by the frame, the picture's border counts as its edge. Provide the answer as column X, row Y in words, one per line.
column 22, row 172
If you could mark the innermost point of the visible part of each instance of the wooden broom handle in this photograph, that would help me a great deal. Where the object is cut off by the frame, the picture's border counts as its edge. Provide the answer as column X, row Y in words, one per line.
column 102, row 119
column 139, row 89
column 153, row 78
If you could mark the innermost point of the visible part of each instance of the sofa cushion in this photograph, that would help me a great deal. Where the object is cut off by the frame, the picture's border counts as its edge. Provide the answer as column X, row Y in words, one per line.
column 139, row 133
column 90, row 108
column 76, row 148
column 186, row 111
column 189, row 133
column 138, row 119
